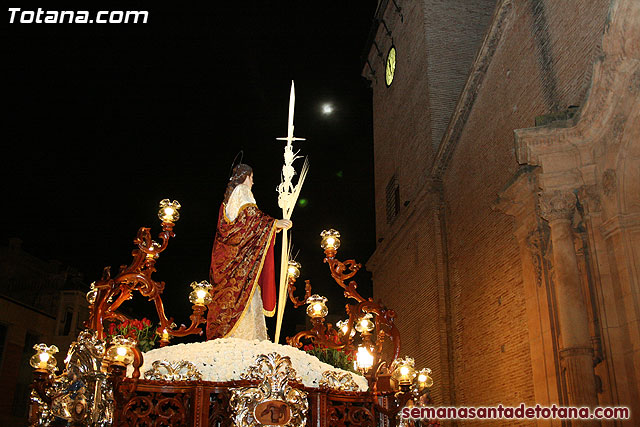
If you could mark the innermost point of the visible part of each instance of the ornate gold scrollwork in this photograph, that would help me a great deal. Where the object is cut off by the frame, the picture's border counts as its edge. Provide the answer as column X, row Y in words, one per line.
column 181, row 370
column 81, row 392
column 338, row 381
column 272, row 402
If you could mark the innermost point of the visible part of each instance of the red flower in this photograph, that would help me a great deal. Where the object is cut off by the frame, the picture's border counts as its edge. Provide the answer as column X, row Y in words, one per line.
column 146, row 322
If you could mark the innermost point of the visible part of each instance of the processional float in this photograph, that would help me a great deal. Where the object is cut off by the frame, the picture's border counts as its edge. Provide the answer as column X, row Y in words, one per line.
column 93, row 388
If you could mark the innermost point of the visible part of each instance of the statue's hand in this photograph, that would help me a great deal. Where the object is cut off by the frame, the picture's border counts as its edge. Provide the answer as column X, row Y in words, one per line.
column 283, row 224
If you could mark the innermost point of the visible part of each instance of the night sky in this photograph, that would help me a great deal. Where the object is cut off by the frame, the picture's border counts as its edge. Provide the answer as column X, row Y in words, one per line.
column 105, row 120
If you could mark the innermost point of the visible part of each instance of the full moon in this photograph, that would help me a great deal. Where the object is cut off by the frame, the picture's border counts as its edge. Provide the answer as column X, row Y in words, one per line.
column 327, row 109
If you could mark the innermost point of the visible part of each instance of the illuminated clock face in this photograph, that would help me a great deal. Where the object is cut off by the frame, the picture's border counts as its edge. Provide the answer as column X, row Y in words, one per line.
column 390, row 68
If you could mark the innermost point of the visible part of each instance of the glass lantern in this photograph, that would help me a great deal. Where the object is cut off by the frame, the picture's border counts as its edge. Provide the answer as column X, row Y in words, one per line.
column 365, row 324
column 403, row 371
column 169, row 211
column 330, row 239
column 294, row 269
column 317, row 307
column 343, row 327
column 44, row 358
column 121, row 350
column 164, row 334
column 424, row 379
column 201, row 293
column 364, row 359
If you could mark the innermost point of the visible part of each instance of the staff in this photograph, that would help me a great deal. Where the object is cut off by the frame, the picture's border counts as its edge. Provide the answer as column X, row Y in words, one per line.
column 287, row 198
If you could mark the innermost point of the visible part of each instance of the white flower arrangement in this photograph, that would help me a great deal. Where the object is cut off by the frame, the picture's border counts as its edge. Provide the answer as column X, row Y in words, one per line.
column 225, row 359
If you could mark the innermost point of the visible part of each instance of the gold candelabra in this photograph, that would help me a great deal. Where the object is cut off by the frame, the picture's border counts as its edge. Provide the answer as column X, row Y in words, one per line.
column 92, row 389
column 372, row 320
column 92, row 381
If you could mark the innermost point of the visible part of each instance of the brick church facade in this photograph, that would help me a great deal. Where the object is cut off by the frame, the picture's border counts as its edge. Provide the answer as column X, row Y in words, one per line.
column 507, row 193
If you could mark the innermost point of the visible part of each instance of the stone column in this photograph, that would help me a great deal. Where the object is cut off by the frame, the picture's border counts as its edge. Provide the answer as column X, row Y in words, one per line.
column 576, row 352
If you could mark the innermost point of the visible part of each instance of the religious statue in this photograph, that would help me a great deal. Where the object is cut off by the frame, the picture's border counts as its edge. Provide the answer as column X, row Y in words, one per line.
column 242, row 263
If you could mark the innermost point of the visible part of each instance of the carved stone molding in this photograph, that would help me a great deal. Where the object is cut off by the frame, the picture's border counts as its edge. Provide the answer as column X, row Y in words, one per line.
column 518, row 199
column 589, row 196
column 609, row 182
column 338, row 381
column 273, row 401
column 617, row 126
column 173, row 371
column 576, row 351
column 539, row 244
column 557, row 205
column 634, row 83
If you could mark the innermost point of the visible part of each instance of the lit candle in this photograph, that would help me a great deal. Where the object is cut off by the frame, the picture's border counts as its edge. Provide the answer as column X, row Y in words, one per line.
column 201, row 294
column 403, row 370
column 424, row 380
column 294, row 269
column 330, row 239
column 44, row 359
column 121, row 352
column 317, row 307
column 364, row 359
column 169, row 211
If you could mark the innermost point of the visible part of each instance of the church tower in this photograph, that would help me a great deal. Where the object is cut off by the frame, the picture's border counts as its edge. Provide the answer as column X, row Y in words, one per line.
column 506, row 158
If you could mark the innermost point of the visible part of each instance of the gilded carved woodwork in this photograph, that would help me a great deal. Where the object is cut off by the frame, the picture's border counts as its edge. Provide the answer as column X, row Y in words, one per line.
column 338, row 381
column 347, row 413
column 94, row 390
column 324, row 334
column 181, row 370
column 292, row 288
column 109, row 293
column 156, row 409
column 219, row 410
column 273, row 401
column 81, row 393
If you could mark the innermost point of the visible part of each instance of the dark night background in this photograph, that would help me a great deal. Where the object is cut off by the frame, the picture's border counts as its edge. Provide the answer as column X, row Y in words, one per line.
column 105, row 120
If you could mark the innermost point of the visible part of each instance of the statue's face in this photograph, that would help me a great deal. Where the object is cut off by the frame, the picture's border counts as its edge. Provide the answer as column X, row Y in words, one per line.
column 249, row 181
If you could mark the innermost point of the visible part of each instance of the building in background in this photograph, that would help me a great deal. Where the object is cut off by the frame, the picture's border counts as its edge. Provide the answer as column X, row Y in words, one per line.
column 507, row 193
column 39, row 302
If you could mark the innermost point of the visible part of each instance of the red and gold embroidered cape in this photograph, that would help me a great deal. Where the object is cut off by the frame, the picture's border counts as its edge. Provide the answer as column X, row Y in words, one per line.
column 242, row 258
